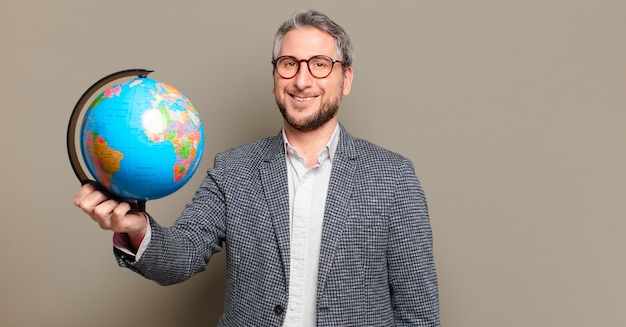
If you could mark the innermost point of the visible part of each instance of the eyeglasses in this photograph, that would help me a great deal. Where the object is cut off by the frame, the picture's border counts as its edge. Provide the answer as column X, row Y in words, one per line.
column 319, row 66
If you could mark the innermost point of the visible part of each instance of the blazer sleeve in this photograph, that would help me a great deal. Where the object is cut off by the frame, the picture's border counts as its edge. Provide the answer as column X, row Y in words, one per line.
column 411, row 268
column 176, row 253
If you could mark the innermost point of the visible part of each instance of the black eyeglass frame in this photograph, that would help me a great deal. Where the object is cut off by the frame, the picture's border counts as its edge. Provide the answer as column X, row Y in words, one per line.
column 300, row 61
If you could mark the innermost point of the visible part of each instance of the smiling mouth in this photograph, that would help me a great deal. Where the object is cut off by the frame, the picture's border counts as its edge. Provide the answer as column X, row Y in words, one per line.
column 297, row 98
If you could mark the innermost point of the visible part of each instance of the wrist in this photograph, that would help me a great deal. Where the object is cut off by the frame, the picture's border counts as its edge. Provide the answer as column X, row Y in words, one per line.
column 136, row 237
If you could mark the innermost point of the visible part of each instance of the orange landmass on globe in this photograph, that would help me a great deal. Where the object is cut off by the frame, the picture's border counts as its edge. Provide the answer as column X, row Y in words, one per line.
column 109, row 160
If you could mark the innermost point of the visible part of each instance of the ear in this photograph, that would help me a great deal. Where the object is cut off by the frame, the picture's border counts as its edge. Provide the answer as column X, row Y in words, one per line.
column 275, row 78
column 348, row 74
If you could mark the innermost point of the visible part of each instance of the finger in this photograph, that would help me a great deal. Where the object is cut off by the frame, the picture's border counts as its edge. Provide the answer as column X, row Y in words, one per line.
column 90, row 201
column 123, row 220
column 102, row 213
column 120, row 217
column 84, row 191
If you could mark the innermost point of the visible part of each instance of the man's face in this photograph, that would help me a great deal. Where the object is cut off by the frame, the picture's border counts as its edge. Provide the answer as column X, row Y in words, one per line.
column 306, row 102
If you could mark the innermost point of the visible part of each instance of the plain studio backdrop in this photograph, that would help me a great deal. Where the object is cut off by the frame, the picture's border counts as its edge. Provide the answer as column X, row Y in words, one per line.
column 513, row 113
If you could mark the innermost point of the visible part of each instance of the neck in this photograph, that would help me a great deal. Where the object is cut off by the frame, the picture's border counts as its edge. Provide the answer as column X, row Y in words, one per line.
column 310, row 143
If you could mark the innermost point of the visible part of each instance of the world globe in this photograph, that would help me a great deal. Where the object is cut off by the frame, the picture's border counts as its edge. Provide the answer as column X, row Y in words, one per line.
column 141, row 139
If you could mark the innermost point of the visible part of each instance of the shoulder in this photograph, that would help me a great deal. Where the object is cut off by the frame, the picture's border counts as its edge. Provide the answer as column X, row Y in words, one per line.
column 372, row 150
column 252, row 150
column 374, row 156
column 248, row 156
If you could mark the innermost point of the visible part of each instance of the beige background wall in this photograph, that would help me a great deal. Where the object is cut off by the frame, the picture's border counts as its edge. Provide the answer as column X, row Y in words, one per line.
column 512, row 111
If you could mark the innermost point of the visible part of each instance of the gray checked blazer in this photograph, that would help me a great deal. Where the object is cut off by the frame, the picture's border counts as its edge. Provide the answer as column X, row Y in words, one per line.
column 376, row 260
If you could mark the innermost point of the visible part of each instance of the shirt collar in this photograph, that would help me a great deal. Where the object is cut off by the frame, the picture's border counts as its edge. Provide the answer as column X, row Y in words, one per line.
column 331, row 146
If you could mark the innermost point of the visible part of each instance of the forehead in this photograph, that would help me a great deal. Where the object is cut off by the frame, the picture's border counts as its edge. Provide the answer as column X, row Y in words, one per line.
column 307, row 42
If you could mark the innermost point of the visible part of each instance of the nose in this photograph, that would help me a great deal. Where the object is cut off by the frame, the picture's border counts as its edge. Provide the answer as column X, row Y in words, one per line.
column 303, row 78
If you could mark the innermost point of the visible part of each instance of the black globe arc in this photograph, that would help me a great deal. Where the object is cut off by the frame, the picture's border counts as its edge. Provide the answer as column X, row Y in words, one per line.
column 73, row 123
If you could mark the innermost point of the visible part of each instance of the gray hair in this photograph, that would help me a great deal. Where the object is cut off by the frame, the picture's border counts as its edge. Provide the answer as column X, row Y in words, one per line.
column 311, row 18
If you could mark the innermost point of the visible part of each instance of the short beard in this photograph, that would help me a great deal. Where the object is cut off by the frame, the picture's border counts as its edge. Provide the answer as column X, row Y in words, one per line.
column 324, row 115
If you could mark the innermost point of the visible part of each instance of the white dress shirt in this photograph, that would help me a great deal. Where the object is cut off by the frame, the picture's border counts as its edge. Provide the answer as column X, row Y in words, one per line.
column 307, row 198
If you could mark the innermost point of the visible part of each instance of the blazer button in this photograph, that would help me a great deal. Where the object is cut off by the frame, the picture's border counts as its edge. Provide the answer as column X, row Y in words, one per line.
column 279, row 310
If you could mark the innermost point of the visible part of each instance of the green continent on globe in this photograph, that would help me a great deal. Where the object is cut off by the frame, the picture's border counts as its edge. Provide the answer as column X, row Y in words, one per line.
column 163, row 124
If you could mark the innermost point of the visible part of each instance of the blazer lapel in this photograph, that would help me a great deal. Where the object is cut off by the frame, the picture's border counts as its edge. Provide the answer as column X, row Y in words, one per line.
column 273, row 172
column 337, row 201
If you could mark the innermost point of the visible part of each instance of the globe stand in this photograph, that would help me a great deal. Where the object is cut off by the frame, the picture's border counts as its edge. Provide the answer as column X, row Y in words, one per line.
column 136, row 205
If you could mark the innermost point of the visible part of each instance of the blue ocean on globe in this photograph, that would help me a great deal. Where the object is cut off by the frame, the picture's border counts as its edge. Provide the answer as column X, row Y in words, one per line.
column 142, row 139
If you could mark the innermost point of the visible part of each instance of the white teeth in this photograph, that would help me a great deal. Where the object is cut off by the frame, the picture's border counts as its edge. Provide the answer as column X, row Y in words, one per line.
column 302, row 99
